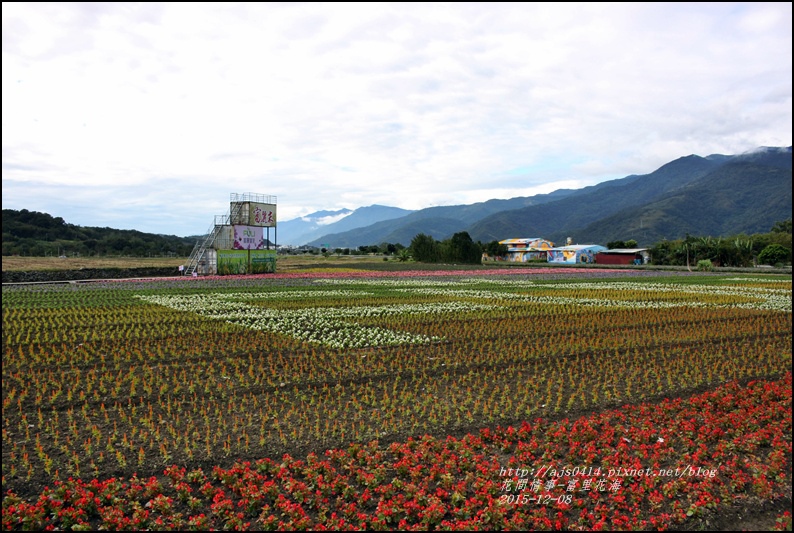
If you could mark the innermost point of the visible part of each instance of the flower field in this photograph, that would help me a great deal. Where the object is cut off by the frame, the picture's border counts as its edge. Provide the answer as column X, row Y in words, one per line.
column 487, row 399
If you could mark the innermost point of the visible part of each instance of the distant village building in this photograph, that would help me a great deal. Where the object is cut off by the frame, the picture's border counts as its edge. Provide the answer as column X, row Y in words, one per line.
column 523, row 250
column 624, row 256
column 575, row 253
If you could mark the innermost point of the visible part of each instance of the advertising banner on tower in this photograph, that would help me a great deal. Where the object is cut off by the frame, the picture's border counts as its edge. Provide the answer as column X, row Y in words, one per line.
column 246, row 261
column 263, row 215
column 262, row 261
column 253, row 214
column 232, row 262
column 249, row 238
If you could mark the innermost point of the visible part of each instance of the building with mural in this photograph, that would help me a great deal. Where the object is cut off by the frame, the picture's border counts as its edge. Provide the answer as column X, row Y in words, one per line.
column 528, row 249
column 243, row 241
column 575, row 253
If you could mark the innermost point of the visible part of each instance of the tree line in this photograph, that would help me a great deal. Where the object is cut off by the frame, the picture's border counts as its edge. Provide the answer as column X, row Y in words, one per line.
column 460, row 248
column 32, row 233
column 772, row 248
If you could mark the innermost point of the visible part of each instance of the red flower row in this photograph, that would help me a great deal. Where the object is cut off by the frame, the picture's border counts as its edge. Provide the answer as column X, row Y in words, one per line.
column 649, row 466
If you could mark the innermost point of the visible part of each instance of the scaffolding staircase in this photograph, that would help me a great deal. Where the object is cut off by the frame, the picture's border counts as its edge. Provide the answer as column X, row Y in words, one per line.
column 202, row 245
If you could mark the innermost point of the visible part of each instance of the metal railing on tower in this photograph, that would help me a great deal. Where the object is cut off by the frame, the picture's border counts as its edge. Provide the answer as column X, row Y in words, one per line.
column 202, row 245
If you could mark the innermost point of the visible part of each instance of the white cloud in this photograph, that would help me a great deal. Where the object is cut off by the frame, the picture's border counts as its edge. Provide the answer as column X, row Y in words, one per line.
column 174, row 106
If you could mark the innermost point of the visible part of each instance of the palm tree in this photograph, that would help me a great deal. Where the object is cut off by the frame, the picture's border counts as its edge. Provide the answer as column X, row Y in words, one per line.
column 744, row 249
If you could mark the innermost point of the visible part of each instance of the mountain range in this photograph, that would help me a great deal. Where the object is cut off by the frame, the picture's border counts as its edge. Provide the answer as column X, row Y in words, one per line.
column 717, row 195
column 312, row 227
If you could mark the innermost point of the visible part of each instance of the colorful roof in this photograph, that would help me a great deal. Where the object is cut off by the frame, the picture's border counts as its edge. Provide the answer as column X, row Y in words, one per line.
column 519, row 241
column 574, row 247
column 536, row 243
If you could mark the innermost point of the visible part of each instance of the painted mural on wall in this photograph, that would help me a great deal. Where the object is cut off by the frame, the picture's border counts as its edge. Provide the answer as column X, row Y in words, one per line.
column 575, row 254
column 527, row 249
column 562, row 256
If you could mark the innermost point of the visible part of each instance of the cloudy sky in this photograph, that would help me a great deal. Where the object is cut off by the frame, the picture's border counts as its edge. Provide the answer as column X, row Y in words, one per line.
column 147, row 116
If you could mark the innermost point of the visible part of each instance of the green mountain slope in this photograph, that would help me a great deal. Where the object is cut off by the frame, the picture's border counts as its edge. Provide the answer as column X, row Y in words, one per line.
column 33, row 233
column 591, row 204
column 741, row 197
column 717, row 195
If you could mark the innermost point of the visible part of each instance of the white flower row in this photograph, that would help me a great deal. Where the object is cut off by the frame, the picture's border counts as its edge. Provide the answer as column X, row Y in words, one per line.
column 765, row 298
column 322, row 325
column 504, row 282
column 758, row 280
column 769, row 299
column 333, row 325
column 409, row 282
column 286, row 295
column 560, row 300
column 468, row 293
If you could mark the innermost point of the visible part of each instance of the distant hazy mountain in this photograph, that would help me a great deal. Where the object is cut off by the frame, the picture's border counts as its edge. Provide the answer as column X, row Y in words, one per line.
column 715, row 195
column 295, row 231
column 302, row 230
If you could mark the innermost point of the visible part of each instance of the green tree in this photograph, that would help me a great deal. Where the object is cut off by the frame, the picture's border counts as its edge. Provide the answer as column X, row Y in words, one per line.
column 387, row 248
column 686, row 252
column 663, row 253
column 738, row 252
column 783, row 226
column 494, row 249
column 461, row 249
column 706, row 248
column 705, row 265
column 774, row 254
column 425, row 249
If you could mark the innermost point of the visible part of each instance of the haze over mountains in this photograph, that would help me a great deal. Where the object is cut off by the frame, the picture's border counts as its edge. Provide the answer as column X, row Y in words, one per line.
column 716, row 195
column 312, row 227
